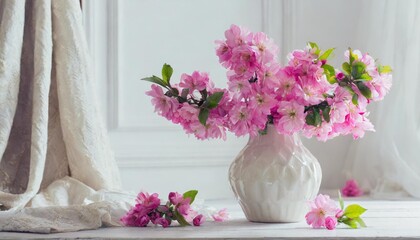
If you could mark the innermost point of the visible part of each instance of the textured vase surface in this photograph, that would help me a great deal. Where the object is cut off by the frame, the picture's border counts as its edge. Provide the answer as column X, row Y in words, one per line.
column 274, row 176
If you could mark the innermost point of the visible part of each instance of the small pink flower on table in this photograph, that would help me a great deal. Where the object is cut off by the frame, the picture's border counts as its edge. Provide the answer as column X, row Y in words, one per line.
column 322, row 208
column 330, row 223
column 221, row 215
column 198, row 220
column 351, row 189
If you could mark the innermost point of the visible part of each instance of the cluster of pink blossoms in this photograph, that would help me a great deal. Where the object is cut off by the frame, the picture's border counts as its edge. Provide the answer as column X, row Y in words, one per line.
column 306, row 96
column 148, row 209
column 325, row 213
column 351, row 189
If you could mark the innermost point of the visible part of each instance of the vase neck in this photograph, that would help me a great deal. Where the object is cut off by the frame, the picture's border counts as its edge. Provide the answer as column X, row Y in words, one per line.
column 273, row 137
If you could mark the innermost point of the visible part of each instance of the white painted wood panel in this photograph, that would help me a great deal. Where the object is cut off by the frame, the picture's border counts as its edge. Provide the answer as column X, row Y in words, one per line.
column 385, row 220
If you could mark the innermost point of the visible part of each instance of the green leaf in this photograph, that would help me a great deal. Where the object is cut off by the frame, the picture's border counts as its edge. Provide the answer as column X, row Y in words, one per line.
column 348, row 88
column 360, row 222
column 355, row 99
column 329, row 71
column 384, row 69
column 366, row 76
column 350, row 222
column 313, row 45
column 340, row 200
column 310, row 118
column 156, row 80
column 318, row 119
column 354, row 211
column 167, row 73
column 357, row 69
column 326, row 54
column 203, row 116
column 364, row 90
column 181, row 220
column 352, row 57
column 213, row 100
column 190, row 194
column 346, row 68
column 326, row 113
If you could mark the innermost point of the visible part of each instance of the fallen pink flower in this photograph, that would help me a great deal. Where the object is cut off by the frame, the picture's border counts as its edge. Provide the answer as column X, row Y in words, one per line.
column 198, row 220
column 221, row 215
column 351, row 189
column 321, row 208
column 330, row 223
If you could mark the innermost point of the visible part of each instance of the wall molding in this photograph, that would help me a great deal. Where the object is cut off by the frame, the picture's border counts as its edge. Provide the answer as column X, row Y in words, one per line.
column 279, row 22
column 113, row 64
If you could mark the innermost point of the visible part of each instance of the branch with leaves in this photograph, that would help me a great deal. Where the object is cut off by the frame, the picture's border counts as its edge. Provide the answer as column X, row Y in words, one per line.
column 205, row 102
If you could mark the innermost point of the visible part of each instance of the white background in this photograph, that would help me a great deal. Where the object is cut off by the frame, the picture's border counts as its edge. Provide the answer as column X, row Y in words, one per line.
column 132, row 39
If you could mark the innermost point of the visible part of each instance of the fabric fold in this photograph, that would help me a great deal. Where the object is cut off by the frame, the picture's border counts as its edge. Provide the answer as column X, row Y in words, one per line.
column 57, row 170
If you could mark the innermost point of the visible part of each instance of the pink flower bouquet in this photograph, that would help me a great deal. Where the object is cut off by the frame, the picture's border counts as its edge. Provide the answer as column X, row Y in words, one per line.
column 307, row 96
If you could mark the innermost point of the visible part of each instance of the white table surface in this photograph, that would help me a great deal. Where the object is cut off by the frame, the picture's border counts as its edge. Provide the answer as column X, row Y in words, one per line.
column 385, row 220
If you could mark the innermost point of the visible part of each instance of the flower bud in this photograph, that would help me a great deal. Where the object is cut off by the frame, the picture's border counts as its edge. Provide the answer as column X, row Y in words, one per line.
column 340, row 76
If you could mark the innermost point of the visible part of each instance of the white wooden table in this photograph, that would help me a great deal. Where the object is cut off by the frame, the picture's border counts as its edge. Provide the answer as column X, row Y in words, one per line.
column 385, row 220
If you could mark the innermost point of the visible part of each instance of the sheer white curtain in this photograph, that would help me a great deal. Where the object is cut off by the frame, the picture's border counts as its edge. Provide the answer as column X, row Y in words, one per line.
column 387, row 162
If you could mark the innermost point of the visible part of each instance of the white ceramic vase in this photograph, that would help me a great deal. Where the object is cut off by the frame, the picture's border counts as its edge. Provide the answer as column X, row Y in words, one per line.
column 274, row 176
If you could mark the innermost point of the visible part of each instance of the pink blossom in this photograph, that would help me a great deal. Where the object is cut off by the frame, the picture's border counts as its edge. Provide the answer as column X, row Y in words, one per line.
column 184, row 208
column 239, row 86
column 380, row 86
column 240, row 118
column 237, row 36
column 143, row 221
column 338, row 112
column 175, row 198
column 292, row 117
column 266, row 48
column 351, row 189
column 244, row 60
column 187, row 113
column 165, row 106
column 263, row 103
column 287, row 83
column 153, row 216
column 322, row 132
column 198, row 220
column 268, row 78
column 339, row 214
column 321, row 208
column 224, row 52
column 163, row 222
column 361, row 126
column 147, row 200
column 221, row 215
column 197, row 81
column 136, row 217
column 214, row 128
column 330, row 223
column 186, row 211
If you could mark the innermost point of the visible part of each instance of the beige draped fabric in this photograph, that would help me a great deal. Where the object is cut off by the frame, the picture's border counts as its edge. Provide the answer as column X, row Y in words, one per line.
column 53, row 146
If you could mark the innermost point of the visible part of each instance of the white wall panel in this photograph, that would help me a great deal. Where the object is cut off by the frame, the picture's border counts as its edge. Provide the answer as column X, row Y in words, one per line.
column 132, row 39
